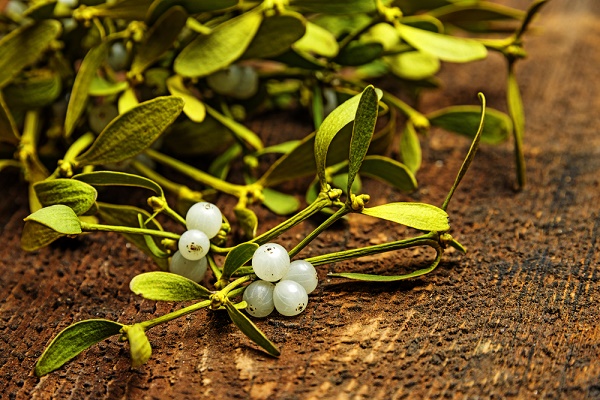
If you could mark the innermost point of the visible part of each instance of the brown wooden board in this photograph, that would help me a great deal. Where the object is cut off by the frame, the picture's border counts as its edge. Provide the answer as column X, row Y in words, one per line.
column 517, row 317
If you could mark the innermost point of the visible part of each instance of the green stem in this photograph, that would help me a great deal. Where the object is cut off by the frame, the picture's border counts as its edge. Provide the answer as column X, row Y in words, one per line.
column 430, row 239
column 156, row 177
column 175, row 314
column 420, row 122
column 198, row 175
column 311, row 236
column 320, row 203
column 65, row 166
column 90, row 227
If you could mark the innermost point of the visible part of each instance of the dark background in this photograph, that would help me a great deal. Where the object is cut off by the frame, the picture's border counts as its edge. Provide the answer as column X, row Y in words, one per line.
column 517, row 317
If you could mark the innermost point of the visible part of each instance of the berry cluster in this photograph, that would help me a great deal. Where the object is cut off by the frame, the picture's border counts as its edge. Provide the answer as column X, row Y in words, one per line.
column 271, row 263
column 282, row 285
column 203, row 221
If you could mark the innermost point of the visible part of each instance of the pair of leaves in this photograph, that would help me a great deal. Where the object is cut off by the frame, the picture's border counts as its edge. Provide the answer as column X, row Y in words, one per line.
column 362, row 109
column 48, row 224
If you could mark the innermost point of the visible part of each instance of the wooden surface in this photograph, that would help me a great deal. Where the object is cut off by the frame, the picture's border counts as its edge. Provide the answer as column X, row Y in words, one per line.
column 517, row 317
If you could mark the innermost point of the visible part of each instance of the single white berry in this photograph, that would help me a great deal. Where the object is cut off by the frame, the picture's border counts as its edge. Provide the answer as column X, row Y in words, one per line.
column 205, row 217
column 226, row 80
column 304, row 273
column 193, row 244
column 259, row 296
column 248, row 85
column 193, row 270
column 270, row 262
column 289, row 298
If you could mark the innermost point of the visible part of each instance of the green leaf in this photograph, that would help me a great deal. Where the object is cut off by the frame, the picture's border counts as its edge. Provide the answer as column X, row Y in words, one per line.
column 123, row 215
column 35, row 236
column 127, row 100
column 389, row 171
column 247, row 221
column 245, row 136
column 60, row 218
column 276, row 35
column 459, row 13
column 410, row 148
column 225, row 44
column 237, row 257
column 159, row 7
column 413, row 65
column 8, row 129
column 299, row 59
column 41, row 10
column 280, row 203
column 362, row 132
column 24, row 46
column 75, row 194
column 139, row 345
column 335, row 6
column 33, row 89
column 357, row 53
column 101, row 87
column 251, row 330
column 131, row 133
column 465, row 120
column 317, row 41
column 113, row 178
column 421, row 216
column 159, row 39
column 79, row 94
column 335, row 121
column 165, row 286
column 73, row 340
column 444, row 47
column 193, row 108
column 188, row 138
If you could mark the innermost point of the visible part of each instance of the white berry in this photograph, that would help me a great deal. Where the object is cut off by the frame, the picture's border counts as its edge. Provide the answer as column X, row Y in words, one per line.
column 304, row 273
column 226, row 80
column 270, row 262
column 205, row 217
column 193, row 244
column 193, row 270
column 259, row 296
column 289, row 298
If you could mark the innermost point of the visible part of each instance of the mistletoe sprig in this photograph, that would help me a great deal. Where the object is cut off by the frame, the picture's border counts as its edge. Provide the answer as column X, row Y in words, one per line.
column 72, row 198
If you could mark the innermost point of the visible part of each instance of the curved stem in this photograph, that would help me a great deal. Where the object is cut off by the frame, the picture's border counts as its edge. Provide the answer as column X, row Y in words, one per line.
column 430, row 239
column 198, row 175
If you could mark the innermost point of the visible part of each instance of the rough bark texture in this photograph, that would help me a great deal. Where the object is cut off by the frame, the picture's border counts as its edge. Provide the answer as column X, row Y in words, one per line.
column 517, row 317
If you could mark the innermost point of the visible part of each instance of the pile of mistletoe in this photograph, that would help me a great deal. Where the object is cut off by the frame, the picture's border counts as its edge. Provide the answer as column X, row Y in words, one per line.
column 99, row 94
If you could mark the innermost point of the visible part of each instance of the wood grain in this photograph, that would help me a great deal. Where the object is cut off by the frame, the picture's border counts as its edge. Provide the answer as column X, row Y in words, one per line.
column 517, row 317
